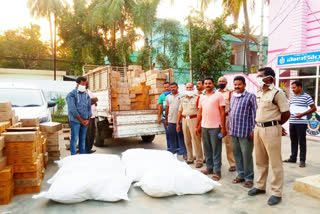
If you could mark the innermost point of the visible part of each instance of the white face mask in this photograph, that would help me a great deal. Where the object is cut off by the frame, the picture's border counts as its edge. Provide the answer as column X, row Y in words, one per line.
column 81, row 88
column 236, row 94
column 261, row 83
column 189, row 93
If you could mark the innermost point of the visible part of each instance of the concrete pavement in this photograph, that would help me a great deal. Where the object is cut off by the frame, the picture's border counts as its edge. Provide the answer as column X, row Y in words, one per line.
column 227, row 199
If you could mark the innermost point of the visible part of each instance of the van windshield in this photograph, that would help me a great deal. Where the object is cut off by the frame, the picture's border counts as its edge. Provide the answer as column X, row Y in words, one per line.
column 21, row 97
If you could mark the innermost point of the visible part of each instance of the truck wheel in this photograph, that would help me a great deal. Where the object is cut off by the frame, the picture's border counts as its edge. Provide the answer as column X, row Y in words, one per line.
column 148, row 138
column 103, row 132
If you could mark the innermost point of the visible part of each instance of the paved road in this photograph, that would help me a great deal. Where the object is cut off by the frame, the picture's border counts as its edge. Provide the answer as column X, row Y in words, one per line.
column 227, row 199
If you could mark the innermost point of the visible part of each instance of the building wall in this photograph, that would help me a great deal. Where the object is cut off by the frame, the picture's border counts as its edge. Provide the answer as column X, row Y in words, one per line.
column 294, row 26
column 30, row 74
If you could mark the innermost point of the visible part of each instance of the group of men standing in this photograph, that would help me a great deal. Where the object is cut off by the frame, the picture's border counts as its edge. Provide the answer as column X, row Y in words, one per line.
column 198, row 122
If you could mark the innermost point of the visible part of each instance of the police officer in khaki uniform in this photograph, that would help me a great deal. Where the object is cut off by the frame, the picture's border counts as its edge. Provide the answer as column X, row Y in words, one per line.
column 226, row 93
column 272, row 112
column 188, row 110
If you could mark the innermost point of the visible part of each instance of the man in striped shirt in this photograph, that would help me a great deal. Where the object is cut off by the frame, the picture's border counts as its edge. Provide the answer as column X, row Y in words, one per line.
column 242, row 115
column 299, row 110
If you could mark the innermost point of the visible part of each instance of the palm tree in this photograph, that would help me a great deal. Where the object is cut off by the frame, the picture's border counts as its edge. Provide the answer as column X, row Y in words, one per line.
column 145, row 17
column 44, row 9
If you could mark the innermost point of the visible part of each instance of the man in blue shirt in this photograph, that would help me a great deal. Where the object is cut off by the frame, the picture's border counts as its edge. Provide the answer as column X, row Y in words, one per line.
column 79, row 112
column 301, row 104
column 162, row 108
column 242, row 113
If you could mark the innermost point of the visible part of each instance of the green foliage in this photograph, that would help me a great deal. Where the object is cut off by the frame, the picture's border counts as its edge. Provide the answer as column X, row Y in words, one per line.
column 143, row 58
column 210, row 55
column 61, row 103
column 164, row 61
column 172, row 46
column 24, row 48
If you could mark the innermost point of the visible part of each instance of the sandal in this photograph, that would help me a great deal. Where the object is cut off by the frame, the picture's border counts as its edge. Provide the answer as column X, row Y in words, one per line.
column 248, row 184
column 207, row 171
column 216, row 177
column 302, row 165
column 289, row 161
column 237, row 180
column 232, row 169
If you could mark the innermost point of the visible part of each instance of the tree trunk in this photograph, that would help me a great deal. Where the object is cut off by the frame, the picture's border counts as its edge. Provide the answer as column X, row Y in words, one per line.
column 190, row 52
column 150, row 49
column 51, row 37
column 55, row 47
column 247, row 38
column 114, row 37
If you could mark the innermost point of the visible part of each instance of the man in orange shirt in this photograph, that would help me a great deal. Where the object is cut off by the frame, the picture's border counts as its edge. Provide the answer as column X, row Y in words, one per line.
column 211, row 123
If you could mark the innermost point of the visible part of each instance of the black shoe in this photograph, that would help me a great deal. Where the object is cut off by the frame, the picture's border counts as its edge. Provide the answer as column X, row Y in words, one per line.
column 255, row 191
column 289, row 161
column 273, row 200
column 91, row 151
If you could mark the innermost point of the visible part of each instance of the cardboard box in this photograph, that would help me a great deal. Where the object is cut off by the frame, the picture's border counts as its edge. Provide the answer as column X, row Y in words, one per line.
column 30, row 122
column 153, row 106
column 6, row 115
column 27, row 190
column 53, row 148
column 20, row 136
column 5, row 106
column 27, row 181
column 6, row 173
column 20, row 151
column 3, row 163
column 14, row 120
column 16, row 160
column 6, row 193
column 50, row 127
column 1, row 142
column 4, row 126
column 26, row 168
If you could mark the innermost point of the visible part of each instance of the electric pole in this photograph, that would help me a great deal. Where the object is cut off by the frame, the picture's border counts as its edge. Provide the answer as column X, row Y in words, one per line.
column 261, row 36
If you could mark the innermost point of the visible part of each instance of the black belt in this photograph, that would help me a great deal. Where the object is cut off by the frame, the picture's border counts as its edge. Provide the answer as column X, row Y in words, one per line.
column 267, row 124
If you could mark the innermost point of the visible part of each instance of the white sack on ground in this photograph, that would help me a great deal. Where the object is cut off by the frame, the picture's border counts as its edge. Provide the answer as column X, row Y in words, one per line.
column 88, row 177
column 177, row 179
column 139, row 161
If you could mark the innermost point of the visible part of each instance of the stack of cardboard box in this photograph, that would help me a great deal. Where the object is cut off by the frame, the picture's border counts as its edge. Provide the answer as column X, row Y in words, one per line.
column 6, row 185
column 139, row 96
column 119, row 92
column 135, row 75
column 7, row 114
column 155, row 80
column 50, row 144
column 24, row 152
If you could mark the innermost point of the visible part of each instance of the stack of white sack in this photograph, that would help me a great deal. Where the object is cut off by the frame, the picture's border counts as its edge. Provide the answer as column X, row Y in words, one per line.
column 161, row 174
column 88, row 177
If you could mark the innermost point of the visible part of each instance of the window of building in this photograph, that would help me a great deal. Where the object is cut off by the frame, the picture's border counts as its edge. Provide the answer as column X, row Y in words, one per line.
column 309, row 76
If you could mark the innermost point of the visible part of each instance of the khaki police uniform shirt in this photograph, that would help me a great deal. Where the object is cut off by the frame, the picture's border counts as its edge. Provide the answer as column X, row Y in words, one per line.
column 226, row 93
column 268, row 111
column 188, row 105
column 173, row 101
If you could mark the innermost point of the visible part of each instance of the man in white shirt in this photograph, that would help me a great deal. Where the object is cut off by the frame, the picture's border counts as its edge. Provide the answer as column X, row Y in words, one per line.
column 91, row 133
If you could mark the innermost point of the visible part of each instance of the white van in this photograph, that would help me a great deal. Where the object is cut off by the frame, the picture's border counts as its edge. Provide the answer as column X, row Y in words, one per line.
column 28, row 101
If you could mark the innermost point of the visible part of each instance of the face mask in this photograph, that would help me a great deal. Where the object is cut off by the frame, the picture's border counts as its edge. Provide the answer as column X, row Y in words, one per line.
column 261, row 83
column 236, row 94
column 189, row 93
column 81, row 88
column 221, row 86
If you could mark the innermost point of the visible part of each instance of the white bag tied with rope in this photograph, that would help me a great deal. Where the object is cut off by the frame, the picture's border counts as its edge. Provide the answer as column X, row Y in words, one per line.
column 88, row 177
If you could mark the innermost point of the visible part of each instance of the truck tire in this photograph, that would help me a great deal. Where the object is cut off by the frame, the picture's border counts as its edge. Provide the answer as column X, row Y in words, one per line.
column 103, row 132
column 148, row 138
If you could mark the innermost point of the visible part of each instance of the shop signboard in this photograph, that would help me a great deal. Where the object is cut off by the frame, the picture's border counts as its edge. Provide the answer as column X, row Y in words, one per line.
column 313, row 124
column 299, row 58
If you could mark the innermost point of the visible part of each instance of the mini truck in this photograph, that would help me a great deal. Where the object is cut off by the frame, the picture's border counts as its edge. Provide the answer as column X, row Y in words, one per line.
column 115, row 122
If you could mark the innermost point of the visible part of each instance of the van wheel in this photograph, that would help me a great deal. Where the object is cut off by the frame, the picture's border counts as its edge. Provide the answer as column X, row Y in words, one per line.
column 103, row 132
column 148, row 138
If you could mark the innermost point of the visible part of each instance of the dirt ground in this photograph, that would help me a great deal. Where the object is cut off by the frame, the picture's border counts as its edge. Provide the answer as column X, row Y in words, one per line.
column 227, row 199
